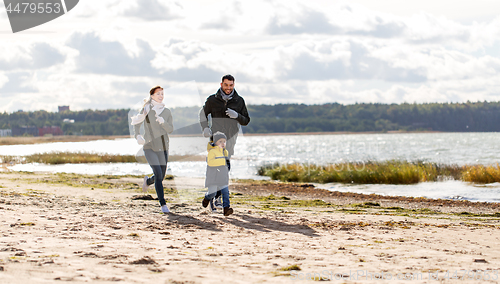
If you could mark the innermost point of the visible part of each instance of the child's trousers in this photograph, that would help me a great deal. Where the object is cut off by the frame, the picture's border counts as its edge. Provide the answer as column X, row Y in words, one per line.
column 212, row 191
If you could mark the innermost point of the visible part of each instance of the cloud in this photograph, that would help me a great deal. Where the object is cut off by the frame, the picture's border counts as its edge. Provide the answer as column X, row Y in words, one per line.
column 334, row 59
column 111, row 57
column 382, row 29
column 186, row 60
column 199, row 74
column 226, row 19
column 220, row 24
column 154, row 10
column 341, row 20
column 305, row 21
column 357, row 21
column 18, row 82
column 3, row 80
column 134, row 87
column 425, row 28
column 37, row 55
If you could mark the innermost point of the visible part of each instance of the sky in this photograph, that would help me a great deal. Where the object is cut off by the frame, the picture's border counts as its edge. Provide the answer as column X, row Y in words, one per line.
column 107, row 54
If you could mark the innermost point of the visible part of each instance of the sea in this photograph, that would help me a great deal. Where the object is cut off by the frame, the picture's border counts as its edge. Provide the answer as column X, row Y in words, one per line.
column 254, row 151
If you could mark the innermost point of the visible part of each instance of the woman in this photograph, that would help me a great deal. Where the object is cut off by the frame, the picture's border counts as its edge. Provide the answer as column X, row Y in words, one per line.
column 158, row 124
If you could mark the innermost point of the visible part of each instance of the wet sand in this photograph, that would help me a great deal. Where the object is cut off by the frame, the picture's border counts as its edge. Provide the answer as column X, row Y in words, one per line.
column 72, row 228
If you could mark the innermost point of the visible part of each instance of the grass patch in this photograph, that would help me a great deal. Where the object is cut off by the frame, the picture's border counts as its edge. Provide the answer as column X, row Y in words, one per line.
column 56, row 158
column 271, row 201
column 385, row 172
column 78, row 180
column 291, row 267
column 482, row 174
column 11, row 159
column 367, row 205
column 351, row 210
column 469, row 214
column 49, row 256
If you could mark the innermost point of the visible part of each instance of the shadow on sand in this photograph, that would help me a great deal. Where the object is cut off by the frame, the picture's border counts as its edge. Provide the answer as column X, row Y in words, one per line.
column 189, row 222
column 268, row 225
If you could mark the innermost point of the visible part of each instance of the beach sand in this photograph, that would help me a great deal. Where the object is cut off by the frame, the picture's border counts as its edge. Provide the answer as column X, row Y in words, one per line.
column 73, row 228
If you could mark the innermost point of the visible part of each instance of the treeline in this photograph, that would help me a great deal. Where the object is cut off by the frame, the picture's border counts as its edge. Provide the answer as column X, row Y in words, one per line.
column 447, row 117
column 87, row 122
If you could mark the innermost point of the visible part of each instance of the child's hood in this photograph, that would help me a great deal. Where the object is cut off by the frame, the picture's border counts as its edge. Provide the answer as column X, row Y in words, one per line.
column 210, row 146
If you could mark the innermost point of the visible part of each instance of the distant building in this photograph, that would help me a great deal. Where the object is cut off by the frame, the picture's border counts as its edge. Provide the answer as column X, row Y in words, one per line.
column 63, row 108
column 29, row 130
column 5, row 132
column 67, row 120
column 51, row 130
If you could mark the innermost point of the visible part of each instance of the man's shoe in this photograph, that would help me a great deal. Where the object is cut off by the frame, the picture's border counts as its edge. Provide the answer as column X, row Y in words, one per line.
column 214, row 209
column 145, row 184
column 218, row 203
column 228, row 211
column 205, row 202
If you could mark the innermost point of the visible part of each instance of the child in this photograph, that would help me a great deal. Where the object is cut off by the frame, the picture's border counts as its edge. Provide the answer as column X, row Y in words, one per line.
column 217, row 172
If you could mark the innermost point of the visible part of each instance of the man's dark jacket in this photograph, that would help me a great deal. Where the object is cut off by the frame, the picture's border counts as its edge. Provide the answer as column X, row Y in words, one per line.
column 217, row 106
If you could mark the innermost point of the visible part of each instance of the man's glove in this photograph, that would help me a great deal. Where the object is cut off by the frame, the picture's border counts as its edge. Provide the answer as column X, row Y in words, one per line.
column 231, row 113
column 207, row 132
column 140, row 140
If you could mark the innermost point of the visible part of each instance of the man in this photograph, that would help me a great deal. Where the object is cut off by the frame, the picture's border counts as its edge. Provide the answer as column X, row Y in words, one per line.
column 228, row 111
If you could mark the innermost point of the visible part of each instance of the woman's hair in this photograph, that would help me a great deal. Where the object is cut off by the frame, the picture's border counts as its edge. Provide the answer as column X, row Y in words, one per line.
column 146, row 101
column 153, row 90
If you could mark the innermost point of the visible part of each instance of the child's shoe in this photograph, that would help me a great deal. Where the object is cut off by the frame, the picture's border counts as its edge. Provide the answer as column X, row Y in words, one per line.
column 212, row 206
column 228, row 211
column 205, row 202
column 164, row 209
column 218, row 203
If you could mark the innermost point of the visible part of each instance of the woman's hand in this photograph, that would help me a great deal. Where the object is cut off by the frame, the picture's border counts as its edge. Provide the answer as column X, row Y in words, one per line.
column 207, row 132
column 140, row 140
column 160, row 120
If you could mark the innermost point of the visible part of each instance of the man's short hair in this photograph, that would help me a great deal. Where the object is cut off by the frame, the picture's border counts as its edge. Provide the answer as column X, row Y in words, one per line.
column 228, row 77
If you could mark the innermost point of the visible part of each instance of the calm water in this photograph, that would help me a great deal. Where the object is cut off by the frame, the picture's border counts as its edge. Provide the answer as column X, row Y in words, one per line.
column 253, row 151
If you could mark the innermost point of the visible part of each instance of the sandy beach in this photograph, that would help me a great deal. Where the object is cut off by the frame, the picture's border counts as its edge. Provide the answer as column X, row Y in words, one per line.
column 74, row 228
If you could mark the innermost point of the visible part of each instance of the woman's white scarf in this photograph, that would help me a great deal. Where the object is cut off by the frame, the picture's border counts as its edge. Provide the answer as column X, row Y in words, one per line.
column 157, row 107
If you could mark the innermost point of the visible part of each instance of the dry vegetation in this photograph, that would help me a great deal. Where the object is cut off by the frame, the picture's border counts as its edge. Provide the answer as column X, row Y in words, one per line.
column 385, row 172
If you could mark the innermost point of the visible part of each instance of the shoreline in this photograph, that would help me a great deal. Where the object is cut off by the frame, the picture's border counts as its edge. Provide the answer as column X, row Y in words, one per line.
column 343, row 133
column 9, row 140
column 323, row 133
column 19, row 140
